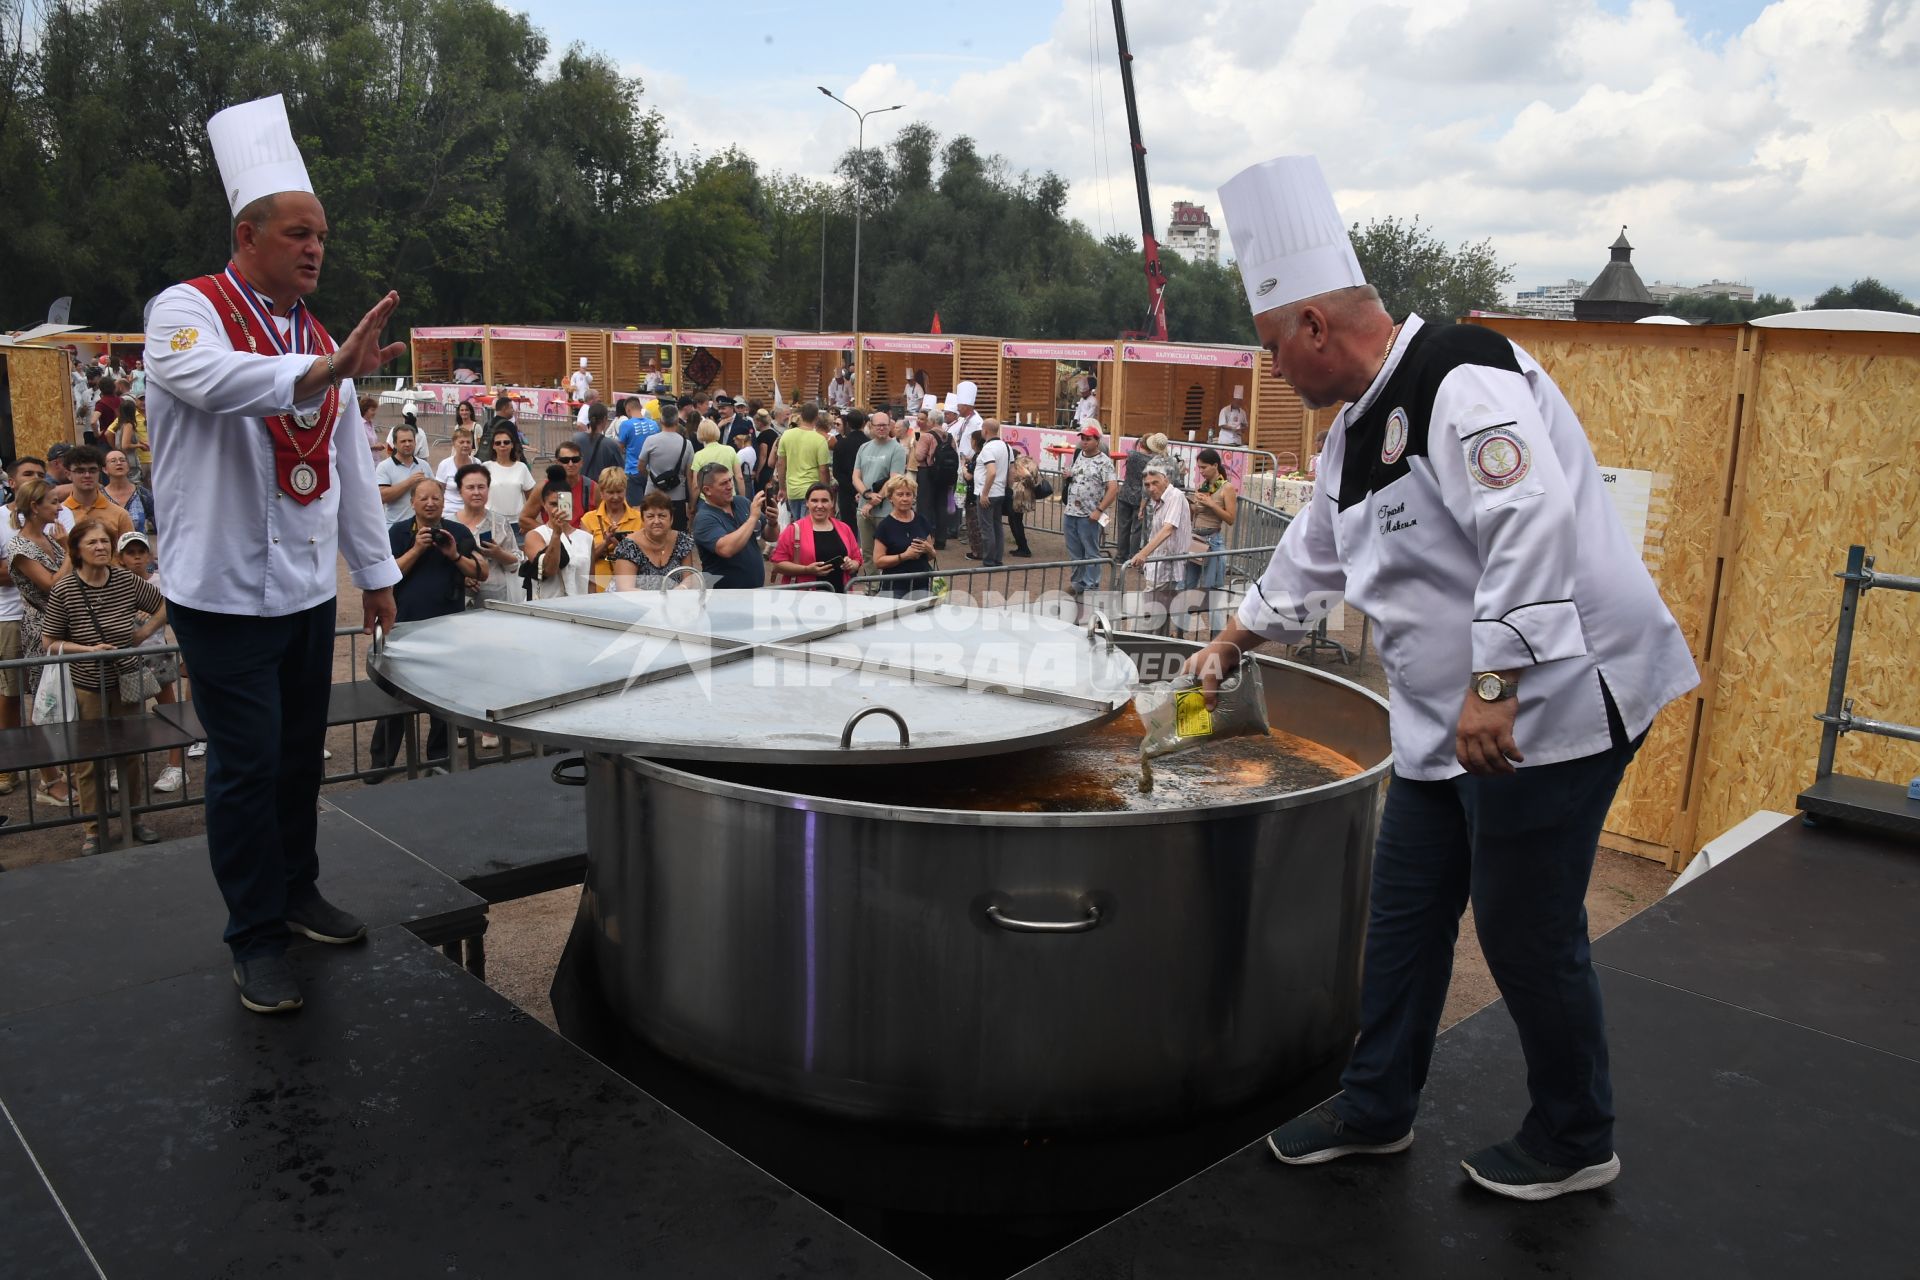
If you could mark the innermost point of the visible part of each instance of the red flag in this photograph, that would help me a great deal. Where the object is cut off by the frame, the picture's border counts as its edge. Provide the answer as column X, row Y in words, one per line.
column 936, row 323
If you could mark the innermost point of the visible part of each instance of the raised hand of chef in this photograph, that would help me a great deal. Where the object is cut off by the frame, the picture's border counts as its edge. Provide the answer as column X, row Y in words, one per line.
column 1483, row 740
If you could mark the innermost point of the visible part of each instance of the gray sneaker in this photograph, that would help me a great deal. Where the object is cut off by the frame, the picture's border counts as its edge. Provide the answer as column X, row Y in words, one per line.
column 1506, row 1170
column 267, row 985
column 1320, row 1136
column 323, row 922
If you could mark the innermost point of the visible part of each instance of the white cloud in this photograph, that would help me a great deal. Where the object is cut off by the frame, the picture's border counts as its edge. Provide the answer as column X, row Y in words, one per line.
column 1786, row 154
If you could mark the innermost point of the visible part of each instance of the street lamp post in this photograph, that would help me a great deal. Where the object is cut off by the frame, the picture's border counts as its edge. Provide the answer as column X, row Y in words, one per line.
column 860, row 149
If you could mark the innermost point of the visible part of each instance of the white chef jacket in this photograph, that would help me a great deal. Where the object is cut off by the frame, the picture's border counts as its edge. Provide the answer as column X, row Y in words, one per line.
column 1232, row 424
column 580, row 382
column 965, row 433
column 235, row 543
column 1459, row 506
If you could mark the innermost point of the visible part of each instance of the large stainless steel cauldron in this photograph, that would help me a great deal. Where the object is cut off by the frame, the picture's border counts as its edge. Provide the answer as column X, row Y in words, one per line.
column 1010, row 970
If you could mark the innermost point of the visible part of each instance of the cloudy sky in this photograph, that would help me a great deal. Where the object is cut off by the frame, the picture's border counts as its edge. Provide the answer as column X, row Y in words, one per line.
column 1738, row 140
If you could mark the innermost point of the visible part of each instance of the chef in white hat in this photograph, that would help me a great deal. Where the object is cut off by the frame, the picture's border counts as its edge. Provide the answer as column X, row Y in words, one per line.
column 965, row 425
column 1458, row 505
column 1232, row 425
column 259, row 465
column 581, row 381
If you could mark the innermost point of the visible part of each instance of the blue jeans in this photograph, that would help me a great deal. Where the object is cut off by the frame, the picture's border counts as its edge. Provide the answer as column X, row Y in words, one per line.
column 1209, row 575
column 1083, row 543
column 261, row 686
column 1520, row 846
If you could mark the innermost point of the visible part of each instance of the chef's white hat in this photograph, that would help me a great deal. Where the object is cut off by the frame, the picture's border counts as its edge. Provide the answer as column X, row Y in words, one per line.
column 253, row 145
column 952, row 403
column 1288, row 237
column 583, row 362
column 1239, row 393
column 967, row 394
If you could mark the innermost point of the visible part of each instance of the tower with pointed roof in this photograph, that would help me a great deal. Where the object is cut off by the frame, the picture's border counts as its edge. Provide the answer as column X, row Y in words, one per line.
column 1617, row 293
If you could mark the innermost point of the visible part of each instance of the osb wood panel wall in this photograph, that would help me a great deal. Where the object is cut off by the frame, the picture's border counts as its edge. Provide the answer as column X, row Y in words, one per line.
column 42, row 398
column 1657, row 398
column 1830, row 460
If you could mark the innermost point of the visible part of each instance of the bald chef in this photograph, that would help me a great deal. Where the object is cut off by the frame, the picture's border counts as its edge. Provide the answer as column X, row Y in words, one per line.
column 1459, row 506
column 249, row 399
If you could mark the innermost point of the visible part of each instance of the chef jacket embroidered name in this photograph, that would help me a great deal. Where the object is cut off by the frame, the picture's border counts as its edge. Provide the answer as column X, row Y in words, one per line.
column 299, row 442
column 1458, row 505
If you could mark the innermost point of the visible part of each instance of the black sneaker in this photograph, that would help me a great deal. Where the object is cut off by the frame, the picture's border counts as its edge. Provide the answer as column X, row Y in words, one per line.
column 1506, row 1170
column 267, row 985
column 1320, row 1136
column 324, row 922
column 1024, row 553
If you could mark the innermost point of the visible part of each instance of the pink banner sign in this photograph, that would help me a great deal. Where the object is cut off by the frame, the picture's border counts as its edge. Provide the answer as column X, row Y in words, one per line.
column 504, row 333
column 1218, row 357
column 657, row 337
column 463, row 331
column 449, row 394
column 1049, row 446
column 813, row 342
column 915, row 346
column 690, row 338
column 1059, row 350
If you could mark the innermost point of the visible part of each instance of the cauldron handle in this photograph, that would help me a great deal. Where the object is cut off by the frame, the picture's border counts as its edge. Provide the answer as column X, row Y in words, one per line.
column 571, row 772
column 1099, row 627
column 1005, row 921
column 700, row 577
column 846, row 734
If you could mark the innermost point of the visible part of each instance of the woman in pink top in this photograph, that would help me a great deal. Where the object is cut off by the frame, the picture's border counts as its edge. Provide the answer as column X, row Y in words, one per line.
column 817, row 547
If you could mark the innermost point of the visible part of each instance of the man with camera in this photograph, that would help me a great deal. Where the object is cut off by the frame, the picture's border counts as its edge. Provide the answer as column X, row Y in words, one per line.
column 438, row 561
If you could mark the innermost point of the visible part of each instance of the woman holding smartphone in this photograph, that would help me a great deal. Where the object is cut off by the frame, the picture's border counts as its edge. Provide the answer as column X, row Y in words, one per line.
column 493, row 532
column 817, row 547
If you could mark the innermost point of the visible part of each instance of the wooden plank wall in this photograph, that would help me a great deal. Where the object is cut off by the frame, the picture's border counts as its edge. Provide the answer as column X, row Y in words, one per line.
column 592, row 344
column 978, row 360
column 1829, row 460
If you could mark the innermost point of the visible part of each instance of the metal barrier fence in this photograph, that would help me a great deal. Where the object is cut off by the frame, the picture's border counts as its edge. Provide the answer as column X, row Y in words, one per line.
column 79, row 809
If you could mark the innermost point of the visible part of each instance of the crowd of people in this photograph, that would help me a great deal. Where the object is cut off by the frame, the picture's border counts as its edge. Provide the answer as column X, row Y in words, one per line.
column 834, row 494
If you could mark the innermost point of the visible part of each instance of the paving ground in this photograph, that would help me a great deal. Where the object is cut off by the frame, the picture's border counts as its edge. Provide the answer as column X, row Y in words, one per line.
column 524, row 939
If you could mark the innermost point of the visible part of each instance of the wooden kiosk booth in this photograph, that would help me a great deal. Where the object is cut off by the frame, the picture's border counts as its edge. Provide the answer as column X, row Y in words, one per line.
column 629, row 351
column 123, row 347
column 804, row 364
column 533, row 364
column 708, row 360
column 449, row 363
column 945, row 361
column 1040, row 381
column 1180, row 389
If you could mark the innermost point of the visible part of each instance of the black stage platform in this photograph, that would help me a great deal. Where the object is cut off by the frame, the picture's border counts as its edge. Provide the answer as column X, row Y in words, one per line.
column 411, row 1122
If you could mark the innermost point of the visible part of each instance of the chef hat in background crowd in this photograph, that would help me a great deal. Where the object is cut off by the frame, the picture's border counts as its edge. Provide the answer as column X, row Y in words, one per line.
column 952, row 403
column 966, row 394
column 253, row 145
column 1288, row 237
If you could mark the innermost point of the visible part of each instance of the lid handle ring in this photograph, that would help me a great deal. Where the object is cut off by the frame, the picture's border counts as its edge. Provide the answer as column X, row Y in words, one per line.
column 846, row 734
column 698, row 577
column 1099, row 627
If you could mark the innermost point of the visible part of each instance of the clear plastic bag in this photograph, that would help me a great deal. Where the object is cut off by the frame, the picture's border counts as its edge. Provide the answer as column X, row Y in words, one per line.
column 1177, row 718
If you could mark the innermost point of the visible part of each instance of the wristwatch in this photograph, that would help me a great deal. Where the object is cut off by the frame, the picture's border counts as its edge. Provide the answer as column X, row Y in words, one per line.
column 1491, row 686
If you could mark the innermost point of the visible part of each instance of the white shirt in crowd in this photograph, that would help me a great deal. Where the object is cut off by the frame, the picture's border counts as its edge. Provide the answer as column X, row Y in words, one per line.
column 392, row 471
column 581, row 382
column 572, row 578
column 1172, row 510
column 254, row 551
column 444, row 474
column 1477, row 535
column 1087, row 410
column 966, row 434
column 511, row 483
column 994, row 451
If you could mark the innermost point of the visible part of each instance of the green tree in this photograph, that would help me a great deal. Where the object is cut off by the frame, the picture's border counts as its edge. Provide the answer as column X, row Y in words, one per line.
column 1721, row 309
column 1867, row 294
column 1416, row 272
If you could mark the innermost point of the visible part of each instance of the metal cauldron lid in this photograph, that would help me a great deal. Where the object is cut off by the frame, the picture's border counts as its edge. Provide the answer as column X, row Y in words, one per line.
column 780, row 676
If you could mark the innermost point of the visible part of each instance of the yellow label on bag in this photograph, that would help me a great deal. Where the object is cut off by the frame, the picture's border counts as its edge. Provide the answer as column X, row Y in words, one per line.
column 1191, row 717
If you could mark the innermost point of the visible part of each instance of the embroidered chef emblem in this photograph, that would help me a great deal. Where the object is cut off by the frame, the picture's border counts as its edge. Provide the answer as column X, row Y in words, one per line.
column 1498, row 458
column 1396, row 441
column 183, row 339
